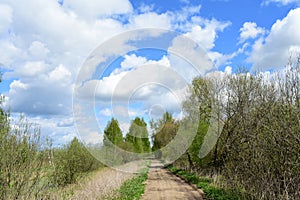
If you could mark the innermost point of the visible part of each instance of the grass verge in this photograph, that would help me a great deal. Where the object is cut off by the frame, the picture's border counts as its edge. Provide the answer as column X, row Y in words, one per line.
column 210, row 190
column 66, row 192
column 134, row 188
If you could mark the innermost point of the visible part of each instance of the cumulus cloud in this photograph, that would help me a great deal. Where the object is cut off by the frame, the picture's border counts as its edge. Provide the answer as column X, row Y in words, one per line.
column 152, row 20
column 250, row 30
column 38, row 50
column 190, row 53
column 274, row 50
column 5, row 17
column 106, row 112
column 97, row 8
column 204, row 32
column 43, row 44
column 40, row 95
column 105, row 88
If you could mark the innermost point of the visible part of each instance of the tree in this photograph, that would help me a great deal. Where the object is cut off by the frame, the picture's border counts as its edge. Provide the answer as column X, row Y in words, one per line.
column 71, row 161
column 165, row 130
column 137, row 137
column 112, row 133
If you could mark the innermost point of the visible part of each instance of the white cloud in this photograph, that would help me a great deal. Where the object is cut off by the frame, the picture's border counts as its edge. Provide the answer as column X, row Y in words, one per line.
column 219, row 59
column 191, row 53
column 133, row 61
column 105, row 88
column 43, row 45
column 152, row 20
column 274, row 50
column 186, row 12
column 123, row 111
column 219, row 75
column 45, row 94
column 204, row 32
column 144, row 8
column 124, row 127
column 250, row 31
column 9, row 52
column 17, row 84
column 5, row 17
column 60, row 74
column 106, row 112
column 38, row 50
column 98, row 8
column 68, row 122
column 281, row 2
column 29, row 70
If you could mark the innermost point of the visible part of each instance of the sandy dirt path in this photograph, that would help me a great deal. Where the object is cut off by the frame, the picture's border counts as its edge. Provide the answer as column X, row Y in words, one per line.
column 162, row 184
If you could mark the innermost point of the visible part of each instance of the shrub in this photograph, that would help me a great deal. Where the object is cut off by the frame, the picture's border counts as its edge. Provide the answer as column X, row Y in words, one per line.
column 22, row 162
column 71, row 161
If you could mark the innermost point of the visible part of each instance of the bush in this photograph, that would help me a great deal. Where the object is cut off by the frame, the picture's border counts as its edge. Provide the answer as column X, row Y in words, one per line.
column 22, row 163
column 71, row 161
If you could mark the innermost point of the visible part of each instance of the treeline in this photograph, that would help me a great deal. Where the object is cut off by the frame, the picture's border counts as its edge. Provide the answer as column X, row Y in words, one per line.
column 257, row 137
column 117, row 149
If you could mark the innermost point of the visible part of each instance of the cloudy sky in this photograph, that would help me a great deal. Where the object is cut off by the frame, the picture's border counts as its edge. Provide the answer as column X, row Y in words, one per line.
column 70, row 65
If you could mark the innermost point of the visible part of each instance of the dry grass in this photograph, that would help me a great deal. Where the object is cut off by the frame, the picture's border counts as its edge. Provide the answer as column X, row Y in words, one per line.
column 105, row 182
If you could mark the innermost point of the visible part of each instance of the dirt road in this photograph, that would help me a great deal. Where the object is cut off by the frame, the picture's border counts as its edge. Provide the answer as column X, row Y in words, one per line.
column 162, row 184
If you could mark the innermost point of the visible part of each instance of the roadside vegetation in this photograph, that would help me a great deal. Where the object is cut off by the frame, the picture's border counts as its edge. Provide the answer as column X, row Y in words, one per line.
column 132, row 189
column 257, row 134
column 208, row 185
column 256, row 152
column 33, row 169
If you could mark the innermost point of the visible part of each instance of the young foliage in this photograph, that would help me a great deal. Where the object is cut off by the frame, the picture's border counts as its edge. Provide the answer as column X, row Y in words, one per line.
column 137, row 137
column 71, row 162
column 112, row 133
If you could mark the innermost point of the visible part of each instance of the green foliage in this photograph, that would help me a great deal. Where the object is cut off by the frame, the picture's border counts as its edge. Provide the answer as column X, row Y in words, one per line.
column 165, row 130
column 112, row 133
column 206, row 184
column 137, row 138
column 22, row 163
column 133, row 188
column 30, row 169
column 71, row 162
column 258, row 148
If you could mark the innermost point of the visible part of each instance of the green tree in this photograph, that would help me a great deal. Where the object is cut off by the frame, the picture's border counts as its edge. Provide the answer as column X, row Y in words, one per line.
column 71, row 161
column 164, row 130
column 137, row 137
column 112, row 133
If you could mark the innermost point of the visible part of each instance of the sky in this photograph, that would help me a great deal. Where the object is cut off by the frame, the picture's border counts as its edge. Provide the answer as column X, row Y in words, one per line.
column 71, row 65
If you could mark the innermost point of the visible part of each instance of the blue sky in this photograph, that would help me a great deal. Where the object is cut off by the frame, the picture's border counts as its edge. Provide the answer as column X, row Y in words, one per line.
column 46, row 47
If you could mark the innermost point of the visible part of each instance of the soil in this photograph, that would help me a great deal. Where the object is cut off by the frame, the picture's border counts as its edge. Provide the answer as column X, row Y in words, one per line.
column 162, row 184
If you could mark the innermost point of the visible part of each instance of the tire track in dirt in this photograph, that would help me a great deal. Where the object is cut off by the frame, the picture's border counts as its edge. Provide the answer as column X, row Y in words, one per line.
column 162, row 184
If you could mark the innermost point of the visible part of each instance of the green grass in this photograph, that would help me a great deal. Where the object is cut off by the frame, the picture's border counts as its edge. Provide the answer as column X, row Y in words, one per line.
column 134, row 188
column 206, row 184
